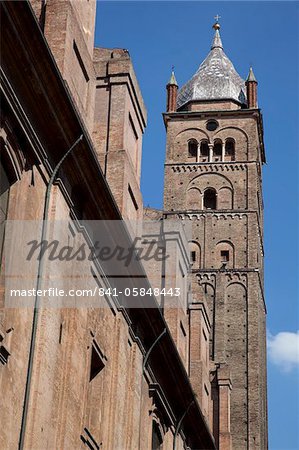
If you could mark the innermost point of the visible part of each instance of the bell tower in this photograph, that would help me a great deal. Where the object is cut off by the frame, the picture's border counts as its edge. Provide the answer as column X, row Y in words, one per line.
column 213, row 178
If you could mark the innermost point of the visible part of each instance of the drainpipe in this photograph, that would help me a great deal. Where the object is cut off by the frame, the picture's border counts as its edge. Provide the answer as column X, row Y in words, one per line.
column 36, row 301
column 178, row 427
column 151, row 348
column 108, row 127
column 163, row 268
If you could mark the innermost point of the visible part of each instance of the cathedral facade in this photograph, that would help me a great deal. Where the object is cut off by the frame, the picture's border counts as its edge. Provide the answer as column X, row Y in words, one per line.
column 148, row 373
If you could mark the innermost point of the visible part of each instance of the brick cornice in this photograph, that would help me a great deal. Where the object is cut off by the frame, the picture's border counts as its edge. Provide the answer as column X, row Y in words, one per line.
column 214, row 113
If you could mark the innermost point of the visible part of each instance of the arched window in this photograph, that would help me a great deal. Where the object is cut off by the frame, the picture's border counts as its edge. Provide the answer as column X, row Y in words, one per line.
column 210, row 199
column 204, row 149
column 195, row 254
column 230, row 149
column 193, row 198
column 225, row 198
column 217, row 150
column 192, row 148
column 225, row 254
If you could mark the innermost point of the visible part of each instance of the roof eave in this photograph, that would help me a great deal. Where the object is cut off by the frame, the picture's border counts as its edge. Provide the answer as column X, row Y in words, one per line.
column 212, row 100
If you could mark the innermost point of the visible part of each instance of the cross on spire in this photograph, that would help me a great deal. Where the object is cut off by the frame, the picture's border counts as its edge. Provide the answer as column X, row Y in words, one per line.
column 216, row 25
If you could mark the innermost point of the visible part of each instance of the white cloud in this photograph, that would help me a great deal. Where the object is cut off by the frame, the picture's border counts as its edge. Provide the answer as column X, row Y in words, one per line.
column 283, row 350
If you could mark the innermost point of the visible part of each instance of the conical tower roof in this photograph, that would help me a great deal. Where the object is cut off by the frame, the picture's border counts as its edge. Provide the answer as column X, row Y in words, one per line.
column 251, row 76
column 172, row 80
column 215, row 79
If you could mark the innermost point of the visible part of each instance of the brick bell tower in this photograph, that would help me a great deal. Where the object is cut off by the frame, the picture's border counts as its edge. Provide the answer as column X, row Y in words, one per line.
column 213, row 177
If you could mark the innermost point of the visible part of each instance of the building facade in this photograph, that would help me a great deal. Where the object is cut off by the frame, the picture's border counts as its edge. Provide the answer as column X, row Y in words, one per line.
column 156, row 373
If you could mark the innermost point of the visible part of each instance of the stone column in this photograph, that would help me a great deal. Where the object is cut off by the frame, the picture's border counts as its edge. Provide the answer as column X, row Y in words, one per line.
column 211, row 152
column 223, row 152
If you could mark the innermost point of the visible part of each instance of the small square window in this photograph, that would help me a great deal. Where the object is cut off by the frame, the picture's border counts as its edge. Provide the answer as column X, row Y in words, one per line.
column 224, row 255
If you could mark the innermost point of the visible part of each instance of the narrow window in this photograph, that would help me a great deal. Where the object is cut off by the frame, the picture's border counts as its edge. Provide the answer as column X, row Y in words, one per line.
column 204, row 149
column 193, row 256
column 217, row 150
column 60, row 334
column 224, row 255
column 209, row 200
column 230, row 149
column 192, row 148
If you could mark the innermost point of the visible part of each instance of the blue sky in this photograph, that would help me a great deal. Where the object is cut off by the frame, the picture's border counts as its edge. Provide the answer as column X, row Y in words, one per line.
column 264, row 34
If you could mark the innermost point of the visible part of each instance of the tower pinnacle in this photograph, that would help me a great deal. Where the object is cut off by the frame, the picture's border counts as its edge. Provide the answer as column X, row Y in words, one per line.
column 251, row 89
column 172, row 92
column 172, row 80
column 251, row 76
column 217, row 43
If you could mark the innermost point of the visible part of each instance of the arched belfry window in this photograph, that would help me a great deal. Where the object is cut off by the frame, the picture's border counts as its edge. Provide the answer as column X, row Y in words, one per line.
column 210, row 199
column 192, row 148
column 217, row 149
column 230, row 149
column 204, row 149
